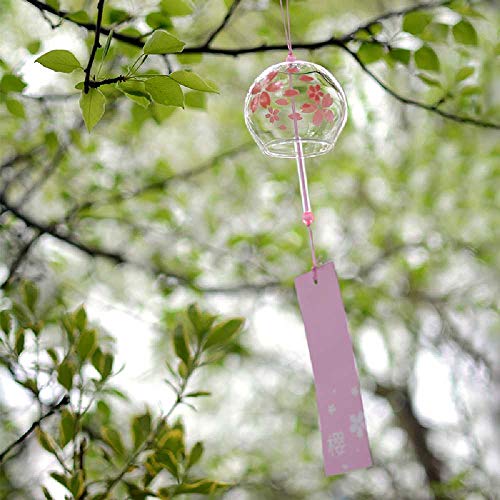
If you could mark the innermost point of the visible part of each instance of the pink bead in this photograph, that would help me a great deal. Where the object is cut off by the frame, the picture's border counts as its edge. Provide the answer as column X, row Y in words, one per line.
column 307, row 218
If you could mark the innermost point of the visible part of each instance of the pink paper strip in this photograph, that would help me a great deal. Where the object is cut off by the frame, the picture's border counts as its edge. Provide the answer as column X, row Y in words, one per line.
column 341, row 418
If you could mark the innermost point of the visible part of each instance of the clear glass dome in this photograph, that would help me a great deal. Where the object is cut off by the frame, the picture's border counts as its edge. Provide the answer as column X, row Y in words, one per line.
column 293, row 99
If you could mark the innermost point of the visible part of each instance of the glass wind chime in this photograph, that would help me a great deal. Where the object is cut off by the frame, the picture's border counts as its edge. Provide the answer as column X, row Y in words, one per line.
column 297, row 109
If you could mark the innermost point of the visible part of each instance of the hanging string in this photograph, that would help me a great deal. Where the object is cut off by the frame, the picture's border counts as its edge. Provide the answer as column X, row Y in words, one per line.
column 285, row 16
column 307, row 216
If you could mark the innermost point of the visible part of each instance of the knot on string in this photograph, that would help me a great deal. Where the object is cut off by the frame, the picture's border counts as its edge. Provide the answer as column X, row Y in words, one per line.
column 290, row 57
column 307, row 218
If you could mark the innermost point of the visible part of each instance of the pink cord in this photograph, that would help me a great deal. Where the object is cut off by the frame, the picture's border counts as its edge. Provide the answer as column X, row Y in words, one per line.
column 307, row 216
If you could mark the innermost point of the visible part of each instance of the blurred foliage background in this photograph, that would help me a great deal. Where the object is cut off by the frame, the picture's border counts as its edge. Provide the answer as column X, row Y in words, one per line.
column 167, row 202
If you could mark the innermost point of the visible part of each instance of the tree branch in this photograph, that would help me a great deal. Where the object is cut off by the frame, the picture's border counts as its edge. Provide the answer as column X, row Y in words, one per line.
column 70, row 239
column 395, row 13
column 341, row 42
column 14, row 266
column 93, row 84
column 406, row 418
column 412, row 102
column 118, row 258
column 95, row 46
column 64, row 401
column 162, row 184
column 224, row 23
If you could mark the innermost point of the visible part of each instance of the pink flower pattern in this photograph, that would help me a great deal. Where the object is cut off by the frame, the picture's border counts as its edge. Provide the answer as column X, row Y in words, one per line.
column 314, row 92
column 273, row 114
column 319, row 102
column 321, row 110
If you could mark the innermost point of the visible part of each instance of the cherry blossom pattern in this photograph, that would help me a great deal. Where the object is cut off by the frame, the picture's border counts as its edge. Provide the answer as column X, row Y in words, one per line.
column 295, row 116
column 272, row 114
column 357, row 424
column 261, row 90
column 336, row 444
column 320, row 109
column 314, row 92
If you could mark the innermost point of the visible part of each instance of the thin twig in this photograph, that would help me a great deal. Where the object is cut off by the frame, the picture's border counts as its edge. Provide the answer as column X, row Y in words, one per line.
column 98, row 83
column 411, row 102
column 64, row 401
column 95, row 46
column 162, row 184
column 224, row 22
column 394, row 13
column 14, row 266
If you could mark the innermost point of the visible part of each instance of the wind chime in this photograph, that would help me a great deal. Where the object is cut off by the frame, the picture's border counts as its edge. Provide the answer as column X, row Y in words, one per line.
column 297, row 109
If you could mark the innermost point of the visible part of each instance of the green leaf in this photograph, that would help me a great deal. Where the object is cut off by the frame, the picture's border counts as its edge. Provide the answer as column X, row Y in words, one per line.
column 165, row 91
column 177, row 7
column 197, row 394
column 195, row 455
column 62, row 61
column 103, row 363
column 135, row 91
column 34, row 46
column 200, row 320
column 53, row 3
column 11, row 83
column 5, row 321
column 181, row 344
column 193, row 81
column 92, row 105
column 15, row 108
column 21, row 315
column 167, row 460
column 370, row 52
column 46, row 494
column 471, row 90
column 465, row 33
column 65, row 373
column 61, row 479
column 182, row 369
column 429, row 80
column 86, row 344
column 158, row 20
column 202, row 487
column 79, row 16
column 118, row 16
column 223, row 332
column 464, row 73
column 77, row 484
column 30, row 294
column 162, row 42
column 67, row 427
column 172, row 439
column 400, row 55
column 68, row 324
column 375, row 28
column 141, row 427
column 80, row 316
column 426, row 58
column 46, row 441
column 19, row 344
column 113, row 438
column 435, row 32
column 107, row 45
column 415, row 22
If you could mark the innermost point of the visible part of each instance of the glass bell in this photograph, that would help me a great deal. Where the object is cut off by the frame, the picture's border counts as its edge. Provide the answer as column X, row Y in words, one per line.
column 295, row 99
